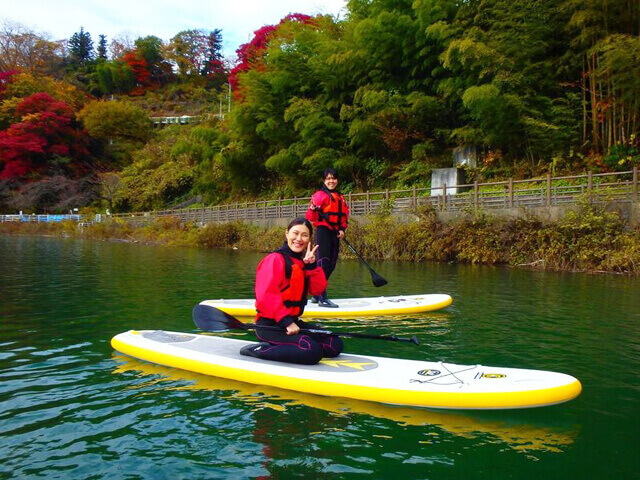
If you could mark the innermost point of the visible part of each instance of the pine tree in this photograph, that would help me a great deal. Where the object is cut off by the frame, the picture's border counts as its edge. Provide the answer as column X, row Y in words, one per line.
column 213, row 67
column 102, row 47
column 81, row 47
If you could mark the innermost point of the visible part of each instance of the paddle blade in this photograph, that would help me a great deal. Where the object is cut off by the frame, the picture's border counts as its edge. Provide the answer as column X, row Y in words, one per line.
column 377, row 280
column 211, row 319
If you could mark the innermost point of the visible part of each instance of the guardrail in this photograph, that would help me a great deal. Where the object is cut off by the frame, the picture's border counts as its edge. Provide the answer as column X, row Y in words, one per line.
column 40, row 218
column 541, row 192
column 621, row 187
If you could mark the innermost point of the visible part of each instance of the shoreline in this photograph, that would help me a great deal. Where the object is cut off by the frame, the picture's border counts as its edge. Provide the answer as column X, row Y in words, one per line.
column 589, row 240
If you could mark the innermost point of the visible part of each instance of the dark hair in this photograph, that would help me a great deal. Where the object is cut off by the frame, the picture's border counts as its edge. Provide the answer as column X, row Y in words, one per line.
column 329, row 171
column 301, row 221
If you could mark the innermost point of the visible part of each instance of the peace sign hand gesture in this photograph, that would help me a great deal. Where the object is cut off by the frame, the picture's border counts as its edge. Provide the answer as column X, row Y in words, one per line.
column 310, row 256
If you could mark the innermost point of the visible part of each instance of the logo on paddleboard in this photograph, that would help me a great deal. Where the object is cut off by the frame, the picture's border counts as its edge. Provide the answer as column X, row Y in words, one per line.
column 348, row 363
column 493, row 375
column 429, row 372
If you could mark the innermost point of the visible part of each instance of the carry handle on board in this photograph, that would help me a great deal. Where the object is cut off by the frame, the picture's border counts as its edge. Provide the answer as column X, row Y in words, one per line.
column 211, row 319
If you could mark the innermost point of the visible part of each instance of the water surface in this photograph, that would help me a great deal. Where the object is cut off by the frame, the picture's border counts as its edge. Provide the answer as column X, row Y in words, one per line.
column 71, row 407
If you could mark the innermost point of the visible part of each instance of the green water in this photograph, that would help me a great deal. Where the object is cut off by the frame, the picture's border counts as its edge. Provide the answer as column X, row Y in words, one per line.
column 71, row 408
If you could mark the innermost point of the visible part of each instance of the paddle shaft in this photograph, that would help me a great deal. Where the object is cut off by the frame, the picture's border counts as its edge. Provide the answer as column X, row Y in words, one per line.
column 378, row 281
column 357, row 255
column 210, row 318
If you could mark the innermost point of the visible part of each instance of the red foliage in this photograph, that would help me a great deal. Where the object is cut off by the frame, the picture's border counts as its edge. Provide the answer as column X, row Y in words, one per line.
column 140, row 68
column 47, row 130
column 5, row 79
column 216, row 68
column 250, row 54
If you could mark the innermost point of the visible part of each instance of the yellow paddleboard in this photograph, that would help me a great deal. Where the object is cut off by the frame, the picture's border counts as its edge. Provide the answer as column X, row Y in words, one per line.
column 347, row 307
column 378, row 379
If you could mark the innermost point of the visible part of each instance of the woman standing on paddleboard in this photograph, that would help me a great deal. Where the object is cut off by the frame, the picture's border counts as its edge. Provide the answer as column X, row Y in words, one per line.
column 283, row 280
column 329, row 214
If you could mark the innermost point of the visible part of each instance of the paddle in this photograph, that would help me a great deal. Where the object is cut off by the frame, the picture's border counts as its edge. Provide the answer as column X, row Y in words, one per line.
column 377, row 280
column 211, row 319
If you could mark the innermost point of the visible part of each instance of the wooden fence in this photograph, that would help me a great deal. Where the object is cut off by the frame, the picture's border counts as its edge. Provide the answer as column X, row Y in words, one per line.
column 621, row 187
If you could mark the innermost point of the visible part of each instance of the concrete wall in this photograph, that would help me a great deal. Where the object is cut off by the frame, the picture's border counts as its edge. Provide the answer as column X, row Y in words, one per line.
column 630, row 212
column 449, row 176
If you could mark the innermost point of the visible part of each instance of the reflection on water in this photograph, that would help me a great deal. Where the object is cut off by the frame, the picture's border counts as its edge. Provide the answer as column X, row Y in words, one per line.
column 517, row 435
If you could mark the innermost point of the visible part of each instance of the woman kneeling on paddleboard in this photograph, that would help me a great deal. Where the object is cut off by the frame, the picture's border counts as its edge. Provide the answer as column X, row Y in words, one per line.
column 283, row 280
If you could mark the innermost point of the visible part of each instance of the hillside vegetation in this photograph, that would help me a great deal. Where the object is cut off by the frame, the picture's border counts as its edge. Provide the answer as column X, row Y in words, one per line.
column 383, row 95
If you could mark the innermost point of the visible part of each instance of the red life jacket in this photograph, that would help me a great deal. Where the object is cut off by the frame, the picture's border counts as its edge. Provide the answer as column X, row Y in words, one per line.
column 295, row 293
column 334, row 211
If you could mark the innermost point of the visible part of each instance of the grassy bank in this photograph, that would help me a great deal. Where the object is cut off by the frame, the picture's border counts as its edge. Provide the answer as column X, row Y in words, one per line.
column 588, row 239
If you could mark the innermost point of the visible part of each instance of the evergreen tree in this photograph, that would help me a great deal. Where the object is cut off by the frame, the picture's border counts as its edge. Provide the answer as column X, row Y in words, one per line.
column 81, row 47
column 102, row 47
column 213, row 67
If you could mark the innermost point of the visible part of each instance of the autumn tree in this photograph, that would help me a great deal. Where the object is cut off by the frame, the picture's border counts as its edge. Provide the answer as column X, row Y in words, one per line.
column 21, row 48
column 122, row 126
column 121, row 45
column 151, row 49
column 18, row 86
column 56, row 193
column 46, row 139
column 188, row 50
column 140, row 68
column 110, row 186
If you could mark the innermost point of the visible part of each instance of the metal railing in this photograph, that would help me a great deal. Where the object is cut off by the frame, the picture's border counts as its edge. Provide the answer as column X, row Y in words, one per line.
column 621, row 187
column 40, row 218
column 548, row 191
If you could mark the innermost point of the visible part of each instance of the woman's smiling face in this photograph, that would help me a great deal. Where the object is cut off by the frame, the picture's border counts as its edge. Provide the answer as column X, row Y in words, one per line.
column 330, row 182
column 298, row 237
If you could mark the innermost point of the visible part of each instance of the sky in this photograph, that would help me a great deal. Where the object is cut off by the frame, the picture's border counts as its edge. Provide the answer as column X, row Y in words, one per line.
column 238, row 19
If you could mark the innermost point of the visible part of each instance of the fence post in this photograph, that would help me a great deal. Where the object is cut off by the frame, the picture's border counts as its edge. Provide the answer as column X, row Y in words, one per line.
column 295, row 207
column 548, row 189
column 414, row 198
column 589, row 185
column 444, row 197
column 366, row 205
column 635, row 183
column 475, row 195
column 510, row 187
